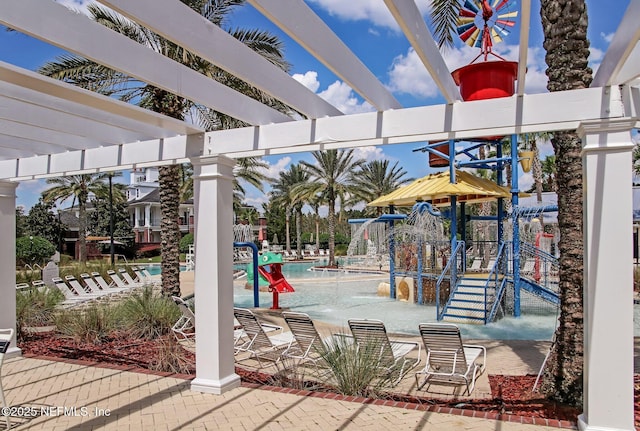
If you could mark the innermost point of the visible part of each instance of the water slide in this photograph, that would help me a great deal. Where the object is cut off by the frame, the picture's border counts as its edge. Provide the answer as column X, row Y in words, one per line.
column 275, row 278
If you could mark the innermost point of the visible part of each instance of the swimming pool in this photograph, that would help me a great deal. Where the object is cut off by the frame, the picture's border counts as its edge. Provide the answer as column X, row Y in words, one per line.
column 155, row 268
column 336, row 297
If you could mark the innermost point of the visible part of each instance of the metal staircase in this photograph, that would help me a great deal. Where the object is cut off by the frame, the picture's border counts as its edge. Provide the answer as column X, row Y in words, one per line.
column 467, row 302
column 477, row 298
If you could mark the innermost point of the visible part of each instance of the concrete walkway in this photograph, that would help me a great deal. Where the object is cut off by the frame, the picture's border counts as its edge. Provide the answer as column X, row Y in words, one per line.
column 47, row 395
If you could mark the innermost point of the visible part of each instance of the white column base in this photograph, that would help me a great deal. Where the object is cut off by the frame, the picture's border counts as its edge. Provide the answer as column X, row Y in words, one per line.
column 216, row 386
column 13, row 352
column 583, row 426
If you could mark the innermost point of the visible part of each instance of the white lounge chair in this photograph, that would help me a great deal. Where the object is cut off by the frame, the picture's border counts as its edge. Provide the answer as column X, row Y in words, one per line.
column 119, row 282
column 309, row 345
column 260, row 345
column 93, row 287
column 69, row 294
column 391, row 354
column 6, row 335
column 128, row 279
column 102, row 283
column 448, row 360
column 185, row 326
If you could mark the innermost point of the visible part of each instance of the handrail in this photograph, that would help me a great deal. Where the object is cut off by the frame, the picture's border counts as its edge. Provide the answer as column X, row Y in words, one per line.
column 452, row 280
column 501, row 252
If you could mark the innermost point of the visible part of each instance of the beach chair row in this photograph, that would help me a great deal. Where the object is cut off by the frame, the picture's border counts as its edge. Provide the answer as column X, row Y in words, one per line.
column 93, row 286
column 448, row 360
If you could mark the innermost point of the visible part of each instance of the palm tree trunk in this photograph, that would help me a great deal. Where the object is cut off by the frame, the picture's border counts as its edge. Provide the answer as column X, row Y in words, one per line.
column 562, row 378
column 332, row 231
column 82, row 229
column 317, row 230
column 169, row 177
column 287, row 226
column 299, row 231
column 564, row 23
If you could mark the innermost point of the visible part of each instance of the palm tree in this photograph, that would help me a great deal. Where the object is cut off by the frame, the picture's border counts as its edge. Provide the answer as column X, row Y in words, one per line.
column 564, row 24
column 377, row 179
column 86, row 73
column 78, row 188
column 331, row 175
column 284, row 194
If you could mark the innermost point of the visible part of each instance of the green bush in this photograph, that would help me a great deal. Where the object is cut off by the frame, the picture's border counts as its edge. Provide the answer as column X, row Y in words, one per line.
column 147, row 314
column 354, row 368
column 31, row 250
column 35, row 307
column 93, row 324
column 185, row 242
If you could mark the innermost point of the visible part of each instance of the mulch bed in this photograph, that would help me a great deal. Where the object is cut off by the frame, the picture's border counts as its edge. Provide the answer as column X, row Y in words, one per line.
column 510, row 394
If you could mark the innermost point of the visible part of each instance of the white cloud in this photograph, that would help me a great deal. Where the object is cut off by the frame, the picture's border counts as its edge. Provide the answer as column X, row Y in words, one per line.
column 607, row 37
column 369, row 153
column 274, row 169
column 338, row 94
column 525, row 181
column 309, row 80
column 373, row 11
column 342, row 97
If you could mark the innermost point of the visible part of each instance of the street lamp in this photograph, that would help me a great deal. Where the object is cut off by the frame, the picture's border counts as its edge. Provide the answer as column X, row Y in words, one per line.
column 31, row 249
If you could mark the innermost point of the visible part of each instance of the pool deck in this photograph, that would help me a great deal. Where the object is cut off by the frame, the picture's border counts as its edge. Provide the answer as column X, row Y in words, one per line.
column 77, row 395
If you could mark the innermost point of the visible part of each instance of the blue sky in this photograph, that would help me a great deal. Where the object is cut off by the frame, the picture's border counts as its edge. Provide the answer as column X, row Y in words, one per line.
column 367, row 28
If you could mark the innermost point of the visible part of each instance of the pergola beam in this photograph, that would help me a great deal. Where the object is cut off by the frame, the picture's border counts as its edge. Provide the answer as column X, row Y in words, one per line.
column 297, row 20
column 408, row 16
column 518, row 114
column 178, row 23
column 530, row 113
column 76, row 33
column 623, row 44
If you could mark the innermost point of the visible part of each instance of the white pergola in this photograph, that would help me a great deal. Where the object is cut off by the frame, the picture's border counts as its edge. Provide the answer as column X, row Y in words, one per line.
column 49, row 128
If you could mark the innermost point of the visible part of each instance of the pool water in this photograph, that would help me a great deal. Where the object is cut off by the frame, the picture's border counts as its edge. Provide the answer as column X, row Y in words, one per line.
column 155, row 268
column 336, row 298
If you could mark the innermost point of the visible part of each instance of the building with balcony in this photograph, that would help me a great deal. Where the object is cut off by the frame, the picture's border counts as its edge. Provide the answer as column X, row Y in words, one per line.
column 143, row 199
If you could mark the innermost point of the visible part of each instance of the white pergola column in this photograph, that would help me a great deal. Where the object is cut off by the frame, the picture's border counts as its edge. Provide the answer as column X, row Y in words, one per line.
column 213, row 198
column 608, row 276
column 8, row 260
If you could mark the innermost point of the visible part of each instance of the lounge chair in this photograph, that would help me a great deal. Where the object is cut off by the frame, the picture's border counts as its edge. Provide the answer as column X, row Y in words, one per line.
column 448, row 359
column 185, row 327
column 6, row 335
column 258, row 343
column 143, row 276
column 93, row 287
column 119, row 282
column 81, row 290
column 69, row 294
column 128, row 279
column 102, row 283
column 392, row 354
column 309, row 345
column 476, row 265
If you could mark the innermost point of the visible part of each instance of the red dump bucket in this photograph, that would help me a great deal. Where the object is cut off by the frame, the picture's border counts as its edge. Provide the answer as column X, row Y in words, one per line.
column 486, row 80
column 435, row 161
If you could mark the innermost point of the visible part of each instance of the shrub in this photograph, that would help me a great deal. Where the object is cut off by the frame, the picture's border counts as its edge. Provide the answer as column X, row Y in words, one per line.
column 30, row 250
column 171, row 357
column 93, row 324
column 185, row 242
column 147, row 314
column 35, row 307
column 354, row 368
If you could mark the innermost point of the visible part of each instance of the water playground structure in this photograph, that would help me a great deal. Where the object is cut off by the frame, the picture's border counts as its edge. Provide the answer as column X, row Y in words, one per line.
column 269, row 276
column 475, row 266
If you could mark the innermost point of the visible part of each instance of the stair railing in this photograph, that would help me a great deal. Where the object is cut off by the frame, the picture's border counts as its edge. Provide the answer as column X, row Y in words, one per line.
column 497, row 282
column 453, row 266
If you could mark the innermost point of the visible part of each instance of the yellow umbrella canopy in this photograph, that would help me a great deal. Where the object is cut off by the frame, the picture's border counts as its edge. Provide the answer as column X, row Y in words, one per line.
column 437, row 188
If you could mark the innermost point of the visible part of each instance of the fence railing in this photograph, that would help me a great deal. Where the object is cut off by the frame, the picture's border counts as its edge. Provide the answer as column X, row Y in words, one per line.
column 457, row 261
